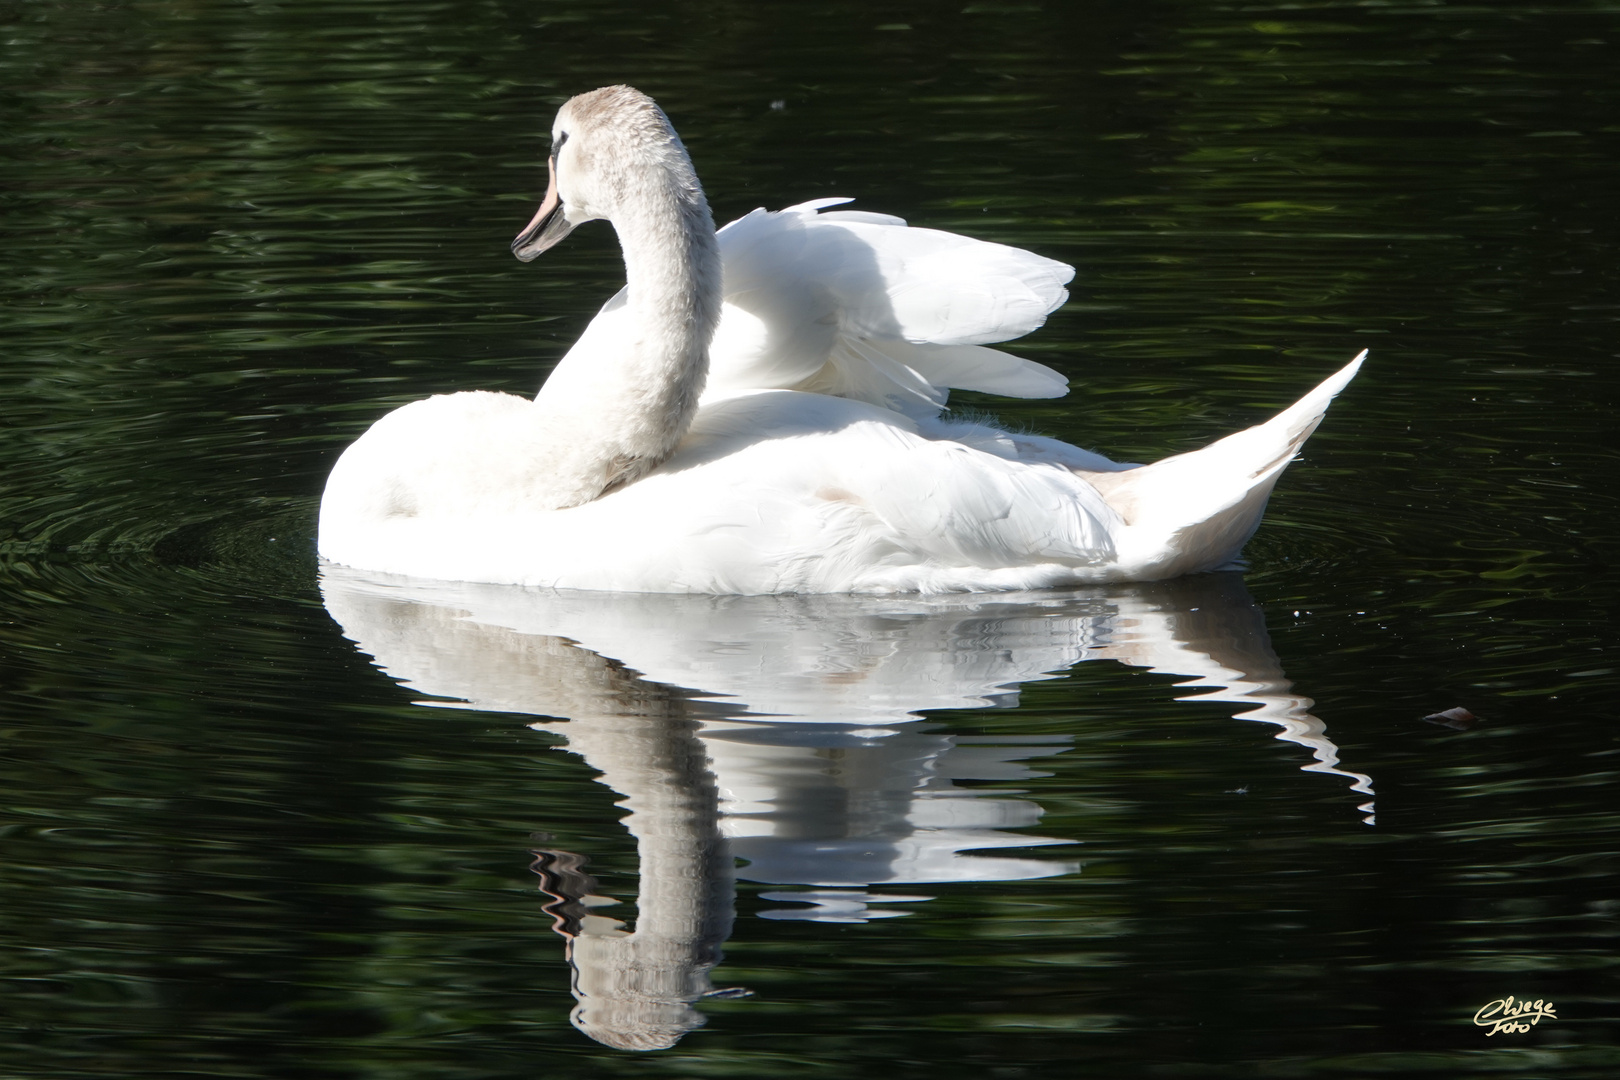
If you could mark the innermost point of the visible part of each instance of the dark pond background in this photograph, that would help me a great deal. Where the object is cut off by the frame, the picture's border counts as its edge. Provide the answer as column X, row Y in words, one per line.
column 238, row 231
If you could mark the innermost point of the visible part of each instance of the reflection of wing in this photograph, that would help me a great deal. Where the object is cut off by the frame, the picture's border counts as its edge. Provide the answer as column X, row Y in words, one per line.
column 815, row 806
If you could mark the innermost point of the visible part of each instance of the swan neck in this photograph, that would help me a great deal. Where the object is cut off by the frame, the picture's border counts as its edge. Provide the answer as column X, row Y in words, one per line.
column 610, row 415
column 672, row 267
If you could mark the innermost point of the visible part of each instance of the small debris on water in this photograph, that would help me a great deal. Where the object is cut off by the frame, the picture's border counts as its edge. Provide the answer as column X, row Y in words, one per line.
column 1458, row 719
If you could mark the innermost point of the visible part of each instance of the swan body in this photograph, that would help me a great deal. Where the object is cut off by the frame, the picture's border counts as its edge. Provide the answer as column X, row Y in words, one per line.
column 758, row 411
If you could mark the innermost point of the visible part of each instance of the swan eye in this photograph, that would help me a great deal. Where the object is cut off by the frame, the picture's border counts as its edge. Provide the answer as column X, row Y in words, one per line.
column 557, row 144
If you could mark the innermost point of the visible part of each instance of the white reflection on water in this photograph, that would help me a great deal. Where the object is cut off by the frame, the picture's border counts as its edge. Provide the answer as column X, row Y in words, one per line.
column 782, row 730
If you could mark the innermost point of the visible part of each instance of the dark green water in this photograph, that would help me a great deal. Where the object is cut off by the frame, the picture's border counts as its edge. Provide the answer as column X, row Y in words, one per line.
column 237, row 232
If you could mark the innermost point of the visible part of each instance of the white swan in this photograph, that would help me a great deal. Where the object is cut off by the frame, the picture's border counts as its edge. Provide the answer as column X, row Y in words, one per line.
column 758, row 412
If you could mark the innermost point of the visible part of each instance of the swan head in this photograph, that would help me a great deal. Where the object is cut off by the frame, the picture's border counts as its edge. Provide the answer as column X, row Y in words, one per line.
column 613, row 151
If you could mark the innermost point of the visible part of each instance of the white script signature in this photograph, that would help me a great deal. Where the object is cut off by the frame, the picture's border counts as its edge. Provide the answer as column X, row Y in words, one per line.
column 1509, row 1015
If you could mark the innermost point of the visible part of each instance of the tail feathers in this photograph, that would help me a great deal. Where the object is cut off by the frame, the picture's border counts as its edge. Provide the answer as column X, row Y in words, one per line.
column 1195, row 511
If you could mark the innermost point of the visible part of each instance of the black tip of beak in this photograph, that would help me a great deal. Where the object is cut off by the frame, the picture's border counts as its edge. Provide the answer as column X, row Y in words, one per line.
column 548, row 227
column 518, row 248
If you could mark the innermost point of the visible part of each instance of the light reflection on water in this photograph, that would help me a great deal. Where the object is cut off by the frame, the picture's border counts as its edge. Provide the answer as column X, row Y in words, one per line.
column 783, row 731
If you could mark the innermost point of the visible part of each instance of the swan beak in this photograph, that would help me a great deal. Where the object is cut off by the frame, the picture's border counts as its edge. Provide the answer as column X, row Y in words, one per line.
column 548, row 225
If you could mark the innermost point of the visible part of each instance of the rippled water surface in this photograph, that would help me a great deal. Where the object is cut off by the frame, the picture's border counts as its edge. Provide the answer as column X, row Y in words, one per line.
column 258, row 821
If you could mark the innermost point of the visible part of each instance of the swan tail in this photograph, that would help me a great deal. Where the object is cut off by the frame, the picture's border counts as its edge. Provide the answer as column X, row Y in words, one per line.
column 1195, row 511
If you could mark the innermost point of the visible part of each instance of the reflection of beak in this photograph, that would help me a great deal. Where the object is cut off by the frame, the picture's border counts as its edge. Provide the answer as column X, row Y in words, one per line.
column 548, row 225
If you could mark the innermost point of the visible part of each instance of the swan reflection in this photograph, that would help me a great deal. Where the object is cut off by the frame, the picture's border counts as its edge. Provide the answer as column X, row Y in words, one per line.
column 782, row 731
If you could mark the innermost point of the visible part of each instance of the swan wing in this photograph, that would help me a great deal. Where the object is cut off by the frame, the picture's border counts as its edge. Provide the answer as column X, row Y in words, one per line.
column 862, row 306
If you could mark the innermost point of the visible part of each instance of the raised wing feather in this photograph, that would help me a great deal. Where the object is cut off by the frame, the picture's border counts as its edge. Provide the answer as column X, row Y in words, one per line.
column 860, row 305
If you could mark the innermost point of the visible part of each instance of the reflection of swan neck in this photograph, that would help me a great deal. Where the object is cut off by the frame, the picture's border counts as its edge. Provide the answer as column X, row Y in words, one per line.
column 660, row 766
column 635, row 988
